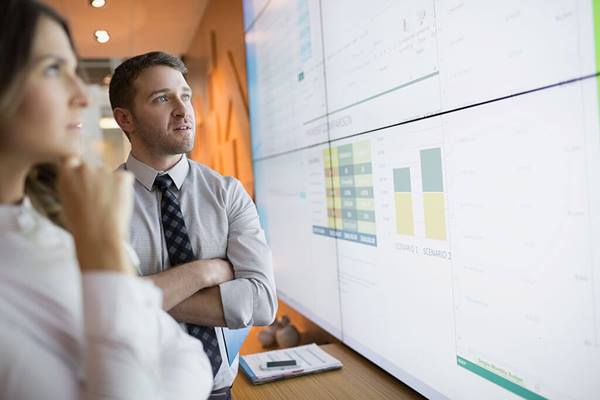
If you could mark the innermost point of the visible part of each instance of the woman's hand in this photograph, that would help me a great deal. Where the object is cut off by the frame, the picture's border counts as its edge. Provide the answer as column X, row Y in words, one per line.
column 97, row 206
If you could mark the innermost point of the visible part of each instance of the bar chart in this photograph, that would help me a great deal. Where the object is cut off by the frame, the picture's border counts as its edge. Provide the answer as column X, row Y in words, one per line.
column 432, row 191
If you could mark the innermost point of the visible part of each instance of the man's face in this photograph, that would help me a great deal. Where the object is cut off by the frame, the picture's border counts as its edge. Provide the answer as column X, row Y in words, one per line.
column 162, row 112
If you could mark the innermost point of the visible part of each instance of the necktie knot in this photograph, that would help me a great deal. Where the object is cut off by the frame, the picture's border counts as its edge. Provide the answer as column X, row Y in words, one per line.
column 163, row 182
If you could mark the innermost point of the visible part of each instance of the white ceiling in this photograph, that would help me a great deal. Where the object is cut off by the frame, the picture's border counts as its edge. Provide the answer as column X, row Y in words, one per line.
column 135, row 26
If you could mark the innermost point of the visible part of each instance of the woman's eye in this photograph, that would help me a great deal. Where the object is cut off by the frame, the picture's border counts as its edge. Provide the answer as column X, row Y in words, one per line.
column 52, row 70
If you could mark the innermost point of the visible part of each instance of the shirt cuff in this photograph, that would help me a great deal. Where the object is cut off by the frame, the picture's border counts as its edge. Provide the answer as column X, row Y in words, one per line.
column 238, row 303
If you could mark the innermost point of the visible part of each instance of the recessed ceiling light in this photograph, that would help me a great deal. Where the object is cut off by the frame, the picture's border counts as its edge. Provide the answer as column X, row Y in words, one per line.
column 102, row 36
column 97, row 3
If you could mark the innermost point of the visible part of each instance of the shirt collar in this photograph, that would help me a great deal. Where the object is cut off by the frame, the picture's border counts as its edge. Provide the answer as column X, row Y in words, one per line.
column 20, row 216
column 146, row 175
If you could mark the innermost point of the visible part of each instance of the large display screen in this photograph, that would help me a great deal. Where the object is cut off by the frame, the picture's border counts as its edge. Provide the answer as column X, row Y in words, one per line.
column 428, row 176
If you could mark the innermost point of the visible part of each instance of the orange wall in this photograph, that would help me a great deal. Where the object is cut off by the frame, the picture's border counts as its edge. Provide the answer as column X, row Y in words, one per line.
column 217, row 75
column 216, row 61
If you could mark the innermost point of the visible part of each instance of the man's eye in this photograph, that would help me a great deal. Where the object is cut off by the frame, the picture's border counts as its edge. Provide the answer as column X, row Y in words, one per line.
column 162, row 99
column 186, row 97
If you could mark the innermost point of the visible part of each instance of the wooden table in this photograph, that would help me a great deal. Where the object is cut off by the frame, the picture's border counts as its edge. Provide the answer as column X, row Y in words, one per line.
column 358, row 379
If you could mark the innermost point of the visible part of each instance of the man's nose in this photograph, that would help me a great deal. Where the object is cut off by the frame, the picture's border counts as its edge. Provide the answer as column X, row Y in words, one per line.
column 180, row 109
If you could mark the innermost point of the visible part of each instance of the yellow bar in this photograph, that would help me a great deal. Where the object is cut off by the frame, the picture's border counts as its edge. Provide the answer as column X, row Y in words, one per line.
column 404, row 214
column 435, row 215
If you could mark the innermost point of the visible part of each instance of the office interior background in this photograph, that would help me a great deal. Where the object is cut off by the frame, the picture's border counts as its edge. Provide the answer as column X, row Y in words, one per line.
column 427, row 172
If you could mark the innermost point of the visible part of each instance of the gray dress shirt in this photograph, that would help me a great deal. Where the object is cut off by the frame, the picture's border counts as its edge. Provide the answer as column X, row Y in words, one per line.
column 222, row 222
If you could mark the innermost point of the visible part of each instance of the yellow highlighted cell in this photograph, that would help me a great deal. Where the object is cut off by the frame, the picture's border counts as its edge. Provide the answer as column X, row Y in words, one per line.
column 335, row 162
column 361, row 152
column 365, row 204
column 331, row 222
column 366, row 227
column 363, row 180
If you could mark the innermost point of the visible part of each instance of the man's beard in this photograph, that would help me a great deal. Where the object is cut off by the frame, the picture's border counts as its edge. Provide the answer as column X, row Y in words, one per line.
column 161, row 142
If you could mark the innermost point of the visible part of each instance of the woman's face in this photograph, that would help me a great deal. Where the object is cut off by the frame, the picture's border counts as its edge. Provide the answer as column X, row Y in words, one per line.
column 47, row 124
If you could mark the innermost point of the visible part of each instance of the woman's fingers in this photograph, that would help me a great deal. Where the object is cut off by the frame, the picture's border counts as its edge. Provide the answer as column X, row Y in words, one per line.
column 97, row 207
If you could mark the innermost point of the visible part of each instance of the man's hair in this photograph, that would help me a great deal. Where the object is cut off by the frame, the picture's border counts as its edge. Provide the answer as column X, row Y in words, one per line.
column 122, row 90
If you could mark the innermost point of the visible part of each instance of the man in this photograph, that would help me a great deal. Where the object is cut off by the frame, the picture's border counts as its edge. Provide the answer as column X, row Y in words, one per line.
column 196, row 232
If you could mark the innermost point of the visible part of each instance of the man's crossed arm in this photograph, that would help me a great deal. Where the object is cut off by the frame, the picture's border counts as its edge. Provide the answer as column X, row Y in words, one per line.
column 236, row 292
column 191, row 291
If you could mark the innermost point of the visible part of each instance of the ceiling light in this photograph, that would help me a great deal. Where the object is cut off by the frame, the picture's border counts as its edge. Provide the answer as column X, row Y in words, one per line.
column 102, row 36
column 97, row 3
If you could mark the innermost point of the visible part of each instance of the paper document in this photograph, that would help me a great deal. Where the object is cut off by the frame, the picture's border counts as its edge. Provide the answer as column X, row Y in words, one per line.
column 310, row 358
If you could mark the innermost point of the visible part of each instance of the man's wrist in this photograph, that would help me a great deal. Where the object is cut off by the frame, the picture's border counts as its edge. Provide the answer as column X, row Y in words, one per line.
column 211, row 272
column 203, row 273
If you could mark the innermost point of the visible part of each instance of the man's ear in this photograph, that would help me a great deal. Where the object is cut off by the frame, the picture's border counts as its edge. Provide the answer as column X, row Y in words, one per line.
column 125, row 120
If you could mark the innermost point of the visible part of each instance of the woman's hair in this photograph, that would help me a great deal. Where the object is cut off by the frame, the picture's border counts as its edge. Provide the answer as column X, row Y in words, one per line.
column 18, row 22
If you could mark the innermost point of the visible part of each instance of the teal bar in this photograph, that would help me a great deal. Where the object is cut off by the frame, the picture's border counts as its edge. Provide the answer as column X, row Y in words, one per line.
column 431, row 170
column 402, row 180
column 498, row 380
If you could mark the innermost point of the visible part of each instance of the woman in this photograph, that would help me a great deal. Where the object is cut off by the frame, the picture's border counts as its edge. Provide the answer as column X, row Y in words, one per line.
column 74, row 320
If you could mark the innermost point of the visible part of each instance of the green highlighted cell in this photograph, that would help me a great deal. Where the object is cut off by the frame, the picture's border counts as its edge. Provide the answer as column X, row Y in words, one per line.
column 596, row 12
column 498, row 380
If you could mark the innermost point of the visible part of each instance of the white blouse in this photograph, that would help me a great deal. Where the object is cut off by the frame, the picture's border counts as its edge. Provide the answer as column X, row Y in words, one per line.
column 67, row 335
